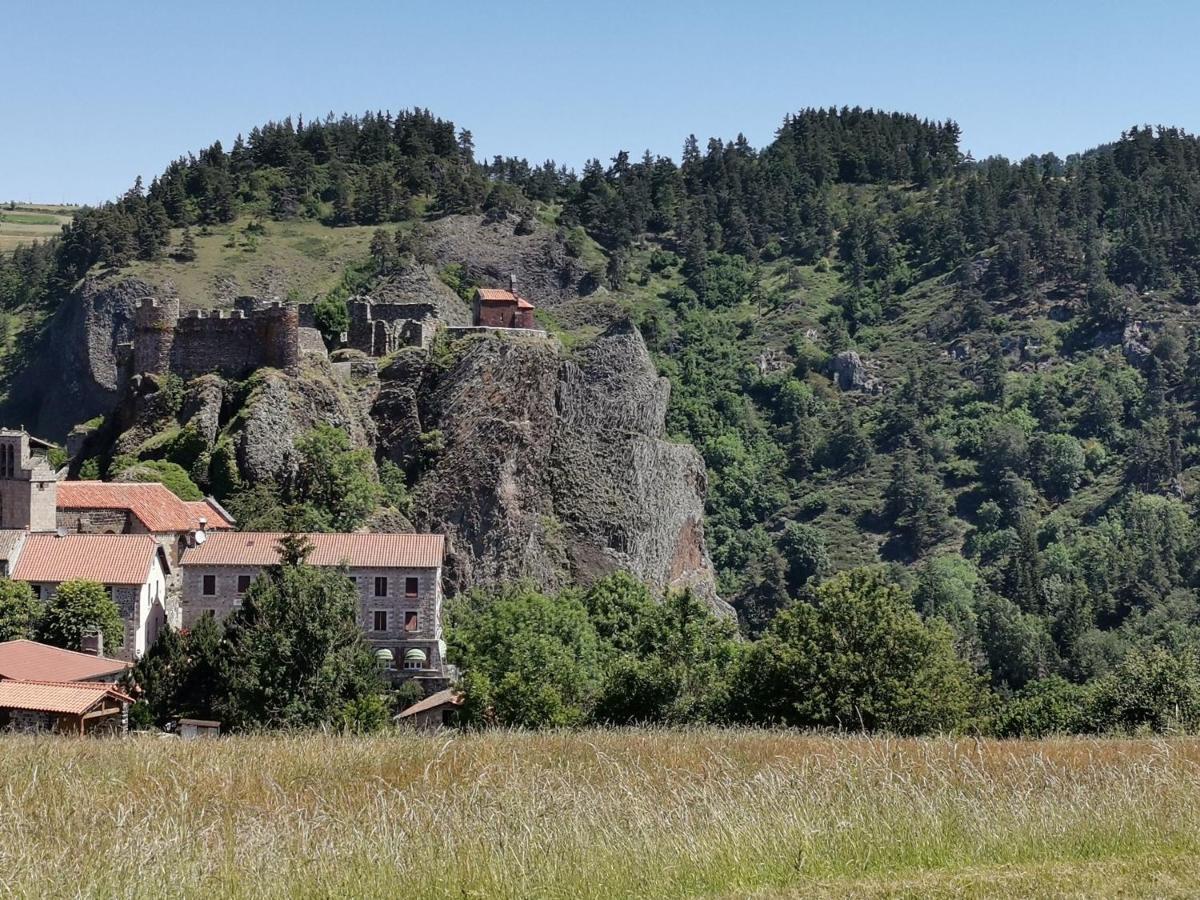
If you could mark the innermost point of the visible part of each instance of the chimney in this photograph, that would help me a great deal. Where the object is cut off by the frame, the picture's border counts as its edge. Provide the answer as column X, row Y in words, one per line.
column 93, row 643
column 512, row 284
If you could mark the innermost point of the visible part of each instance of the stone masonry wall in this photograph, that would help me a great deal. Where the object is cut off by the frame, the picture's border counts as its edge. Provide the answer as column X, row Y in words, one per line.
column 230, row 343
column 379, row 329
column 427, row 604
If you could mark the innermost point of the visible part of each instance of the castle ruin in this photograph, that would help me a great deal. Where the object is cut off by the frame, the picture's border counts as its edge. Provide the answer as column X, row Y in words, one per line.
column 231, row 343
column 378, row 329
column 234, row 343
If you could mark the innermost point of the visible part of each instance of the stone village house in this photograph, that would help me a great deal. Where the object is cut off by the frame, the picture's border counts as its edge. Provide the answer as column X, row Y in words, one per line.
column 78, row 707
column 398, row 577
column 102, row 507
column 44, row 524
column 133, row 568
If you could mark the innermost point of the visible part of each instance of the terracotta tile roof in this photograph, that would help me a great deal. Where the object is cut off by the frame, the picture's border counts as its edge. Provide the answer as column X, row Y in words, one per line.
column 433, row 701
column 73, row 698
column 497, row 295
column 152, row 504
column 31, row 661
column 107, row 558
column 214, row 515
column 375, row 551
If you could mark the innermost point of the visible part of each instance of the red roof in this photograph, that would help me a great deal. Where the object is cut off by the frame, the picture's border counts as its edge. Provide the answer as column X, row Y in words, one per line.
column 31, row 661
column 448, row 697
column 367, row 550
column 73, row 698
column 123, row 559
column 498, row 295
column 214, row 516
column 151, row 504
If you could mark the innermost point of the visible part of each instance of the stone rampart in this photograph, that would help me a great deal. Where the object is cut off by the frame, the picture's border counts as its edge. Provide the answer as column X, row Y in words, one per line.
column 231, row 343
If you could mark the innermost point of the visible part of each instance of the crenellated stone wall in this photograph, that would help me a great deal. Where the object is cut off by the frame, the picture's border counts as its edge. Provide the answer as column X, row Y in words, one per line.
column 230, row 343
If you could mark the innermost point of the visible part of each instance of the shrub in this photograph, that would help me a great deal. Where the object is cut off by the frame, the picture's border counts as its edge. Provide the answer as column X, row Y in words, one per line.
column 1044, row 707
column 77, row 609
column 858, row 656
column 19, row 610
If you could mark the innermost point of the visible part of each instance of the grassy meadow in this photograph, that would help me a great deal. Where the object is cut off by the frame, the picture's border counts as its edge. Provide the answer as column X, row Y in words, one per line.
column 641, row 813
column 25, row 223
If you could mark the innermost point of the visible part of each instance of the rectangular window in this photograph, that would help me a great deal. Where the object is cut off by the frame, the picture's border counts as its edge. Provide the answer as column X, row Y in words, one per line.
column 244, row 583
column 410, row 621
column 209, row 588
column 411, row 586
column 380, row 623
column 381, row 586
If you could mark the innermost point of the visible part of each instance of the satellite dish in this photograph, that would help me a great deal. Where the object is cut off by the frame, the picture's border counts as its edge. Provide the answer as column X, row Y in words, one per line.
column 61, row 531
column 200, row 538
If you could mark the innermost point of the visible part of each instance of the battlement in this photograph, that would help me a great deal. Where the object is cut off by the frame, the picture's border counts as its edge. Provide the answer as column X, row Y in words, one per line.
column 232, row 343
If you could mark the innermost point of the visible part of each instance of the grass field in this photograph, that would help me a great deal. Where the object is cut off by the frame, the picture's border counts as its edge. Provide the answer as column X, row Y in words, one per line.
column 302, row 256
column 26, row 223
column 598, row 814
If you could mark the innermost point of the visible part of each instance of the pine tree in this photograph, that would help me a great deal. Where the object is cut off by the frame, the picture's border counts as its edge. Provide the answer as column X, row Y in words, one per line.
column 187, row 247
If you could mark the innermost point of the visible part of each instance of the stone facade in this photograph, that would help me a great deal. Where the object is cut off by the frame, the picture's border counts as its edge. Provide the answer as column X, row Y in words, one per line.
column 226, row 585
column 380, row 329
column 27, row 485
column 145, row 609
column 230, row 343
column 32, row 721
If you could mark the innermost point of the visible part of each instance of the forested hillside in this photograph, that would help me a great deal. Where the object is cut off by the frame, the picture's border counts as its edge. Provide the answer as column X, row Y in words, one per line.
column 980, row 373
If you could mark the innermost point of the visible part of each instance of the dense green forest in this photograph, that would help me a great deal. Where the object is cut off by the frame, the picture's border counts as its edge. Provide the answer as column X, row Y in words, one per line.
column 1021, row 463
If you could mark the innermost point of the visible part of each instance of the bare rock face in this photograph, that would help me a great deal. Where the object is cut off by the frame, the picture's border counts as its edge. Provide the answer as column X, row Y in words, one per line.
column 552, row 468
column 75, row 373
column 849, row 372
column 491, row 251
column 1134, row 344
column 281, row 409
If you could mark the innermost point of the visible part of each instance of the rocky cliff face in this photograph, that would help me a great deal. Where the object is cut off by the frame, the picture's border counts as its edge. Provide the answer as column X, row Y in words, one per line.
column 536, row 463
column 491, row 251
column 74, row 369
column 542, row 465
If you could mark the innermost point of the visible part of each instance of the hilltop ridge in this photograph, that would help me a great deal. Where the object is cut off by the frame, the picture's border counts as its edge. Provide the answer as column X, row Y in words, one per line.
column 981, row 374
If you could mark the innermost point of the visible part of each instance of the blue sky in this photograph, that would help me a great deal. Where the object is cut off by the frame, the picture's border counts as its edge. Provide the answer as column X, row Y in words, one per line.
column 97, row 93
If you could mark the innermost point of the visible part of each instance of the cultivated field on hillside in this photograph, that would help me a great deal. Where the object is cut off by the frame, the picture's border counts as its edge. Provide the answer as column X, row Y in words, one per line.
column 598, row 814
column 25, row 223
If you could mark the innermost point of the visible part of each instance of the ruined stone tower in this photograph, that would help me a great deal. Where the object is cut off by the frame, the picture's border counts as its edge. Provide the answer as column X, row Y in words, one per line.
column 154, row 335
column 278, row 328
column 28, row 486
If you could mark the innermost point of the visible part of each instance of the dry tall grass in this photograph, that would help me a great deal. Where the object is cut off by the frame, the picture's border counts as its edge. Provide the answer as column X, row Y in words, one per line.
column 596, row 814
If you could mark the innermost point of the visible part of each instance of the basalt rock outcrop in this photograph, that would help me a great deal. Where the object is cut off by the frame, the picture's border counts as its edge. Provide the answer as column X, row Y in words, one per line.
column 545, row 465
column 74, row 368
column 537, row 463
column 491, row 251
